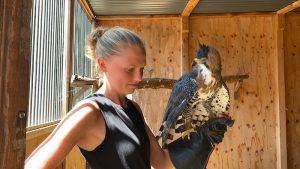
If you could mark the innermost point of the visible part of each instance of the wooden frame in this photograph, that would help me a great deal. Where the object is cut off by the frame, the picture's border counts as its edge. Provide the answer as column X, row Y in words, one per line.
column 289, row 8
column 68, row 46
column 110, row 18
column 14, row 79
column 88, row 10
column 36, row 131
column 280, row 108
column 189, row 7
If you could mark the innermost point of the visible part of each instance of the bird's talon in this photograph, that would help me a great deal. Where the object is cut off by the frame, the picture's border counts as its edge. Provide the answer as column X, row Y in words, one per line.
column 187, row 133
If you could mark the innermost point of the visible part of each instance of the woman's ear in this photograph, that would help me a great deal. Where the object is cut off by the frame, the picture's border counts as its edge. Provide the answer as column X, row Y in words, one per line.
column 101, row 64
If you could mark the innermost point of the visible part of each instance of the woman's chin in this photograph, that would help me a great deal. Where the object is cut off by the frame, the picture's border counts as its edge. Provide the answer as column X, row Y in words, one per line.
column 130, row 91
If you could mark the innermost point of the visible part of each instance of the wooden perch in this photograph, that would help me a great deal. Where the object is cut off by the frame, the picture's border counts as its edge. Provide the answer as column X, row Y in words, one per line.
column 79, row 81
column 154, row 83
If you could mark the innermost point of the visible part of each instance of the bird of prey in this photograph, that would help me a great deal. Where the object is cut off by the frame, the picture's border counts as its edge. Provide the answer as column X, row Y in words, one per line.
column 196, row 97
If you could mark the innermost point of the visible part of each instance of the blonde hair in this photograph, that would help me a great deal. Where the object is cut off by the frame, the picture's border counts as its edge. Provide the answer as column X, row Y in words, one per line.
column 103, row 42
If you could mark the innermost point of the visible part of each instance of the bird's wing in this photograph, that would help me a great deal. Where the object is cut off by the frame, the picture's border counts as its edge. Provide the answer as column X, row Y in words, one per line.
column 183, row 91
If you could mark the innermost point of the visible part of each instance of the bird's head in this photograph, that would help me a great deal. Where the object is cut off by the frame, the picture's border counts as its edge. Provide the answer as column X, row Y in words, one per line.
column 209, row 57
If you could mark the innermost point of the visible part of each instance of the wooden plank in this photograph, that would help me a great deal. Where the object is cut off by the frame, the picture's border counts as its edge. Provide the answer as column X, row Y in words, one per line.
column 185, row 65
column 289, row 8
column 88, row 9
column 68, row 46
column 14, row 80
column 189, row 7
column 292, row 86
column 246, row 44
column 70, row 55
column 111, row 18
column 281, row 149
column 40, row 130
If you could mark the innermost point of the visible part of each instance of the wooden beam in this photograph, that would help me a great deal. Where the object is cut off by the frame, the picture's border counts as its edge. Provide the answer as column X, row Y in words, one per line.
column 131, row 17
column 15, row 35
column 189, row 7
column 289, row 8
column 88, row 9
column 281, row 147
column 68, row 47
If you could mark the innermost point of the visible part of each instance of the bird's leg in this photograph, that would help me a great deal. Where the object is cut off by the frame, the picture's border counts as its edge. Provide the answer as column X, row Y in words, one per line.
column 187, row 133
column 224, row 114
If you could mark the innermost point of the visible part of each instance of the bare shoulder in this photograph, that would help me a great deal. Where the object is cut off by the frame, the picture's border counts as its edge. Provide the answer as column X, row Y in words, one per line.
column 81, row 118
column 74, row 127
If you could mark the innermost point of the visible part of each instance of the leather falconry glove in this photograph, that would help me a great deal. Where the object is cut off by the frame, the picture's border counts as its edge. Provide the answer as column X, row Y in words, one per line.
column 195, row 152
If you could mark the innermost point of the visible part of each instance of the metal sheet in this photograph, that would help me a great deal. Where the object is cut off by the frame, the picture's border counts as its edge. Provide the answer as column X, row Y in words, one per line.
column 137, row 7
column 141, row 7
column 228, row 6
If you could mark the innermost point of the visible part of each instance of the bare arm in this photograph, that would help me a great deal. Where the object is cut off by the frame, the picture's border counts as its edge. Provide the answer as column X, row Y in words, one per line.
column 72, row 128
column 159, row 157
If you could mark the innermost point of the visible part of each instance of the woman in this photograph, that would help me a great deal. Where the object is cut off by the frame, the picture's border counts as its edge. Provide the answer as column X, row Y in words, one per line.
column 108, row 128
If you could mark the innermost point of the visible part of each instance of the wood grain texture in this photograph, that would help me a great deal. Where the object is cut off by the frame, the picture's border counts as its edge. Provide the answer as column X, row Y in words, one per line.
column 289, row 8
column 292, row 86
column 14, row 80
column 246, row 44
column 75, row 160
column 279, row 86
column 189, row 7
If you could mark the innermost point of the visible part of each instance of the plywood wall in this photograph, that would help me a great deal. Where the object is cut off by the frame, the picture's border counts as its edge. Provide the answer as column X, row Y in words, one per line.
column 162, row 37
column 292, row 85
column 246, row 44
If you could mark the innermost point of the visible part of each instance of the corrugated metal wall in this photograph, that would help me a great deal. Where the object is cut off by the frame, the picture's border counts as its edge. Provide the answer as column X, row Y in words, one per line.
column 228, row 6
column 46, row 69
column 156, row 7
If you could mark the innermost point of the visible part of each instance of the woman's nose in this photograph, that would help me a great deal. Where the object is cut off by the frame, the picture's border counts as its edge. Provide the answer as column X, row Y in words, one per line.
column 138, row 76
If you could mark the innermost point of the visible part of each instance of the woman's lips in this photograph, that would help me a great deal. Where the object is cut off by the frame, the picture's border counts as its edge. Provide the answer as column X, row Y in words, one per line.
column 134, row 85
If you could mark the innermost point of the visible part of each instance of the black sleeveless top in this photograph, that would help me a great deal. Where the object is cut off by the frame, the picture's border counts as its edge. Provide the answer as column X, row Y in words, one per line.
column 126, row 144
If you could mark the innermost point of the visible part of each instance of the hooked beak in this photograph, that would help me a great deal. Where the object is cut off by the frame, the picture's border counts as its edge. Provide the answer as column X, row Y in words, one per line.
column 194, row 63
column 198, row 61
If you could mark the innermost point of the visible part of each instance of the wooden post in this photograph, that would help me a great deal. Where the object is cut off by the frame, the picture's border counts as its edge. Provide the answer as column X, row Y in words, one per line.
column 15, row 37
column 280, row 98
column 68, row 46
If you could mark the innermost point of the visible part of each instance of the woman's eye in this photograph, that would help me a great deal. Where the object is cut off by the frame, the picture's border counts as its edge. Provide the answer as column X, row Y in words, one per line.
column 129, row 70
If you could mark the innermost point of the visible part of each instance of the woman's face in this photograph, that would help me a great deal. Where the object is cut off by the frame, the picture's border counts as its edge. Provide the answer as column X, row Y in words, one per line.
column 125, row 70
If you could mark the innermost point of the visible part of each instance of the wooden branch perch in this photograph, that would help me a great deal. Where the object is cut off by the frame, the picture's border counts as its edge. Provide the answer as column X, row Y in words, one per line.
column 154, row 83
column 79, row 81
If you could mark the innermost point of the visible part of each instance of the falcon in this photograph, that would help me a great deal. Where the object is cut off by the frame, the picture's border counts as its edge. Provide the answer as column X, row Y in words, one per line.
column 196, row 97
